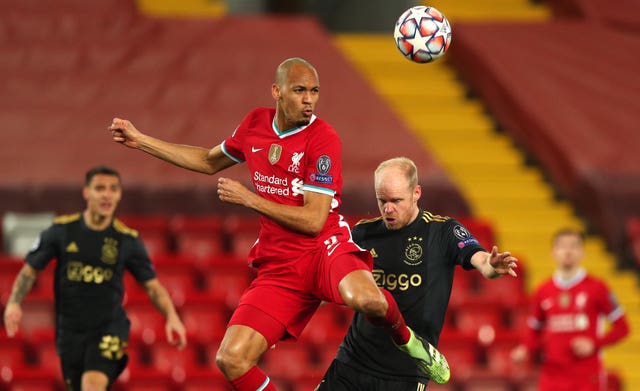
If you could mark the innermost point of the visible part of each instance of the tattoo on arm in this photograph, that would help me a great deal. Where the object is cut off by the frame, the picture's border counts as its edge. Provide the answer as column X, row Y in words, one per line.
column 22, row 286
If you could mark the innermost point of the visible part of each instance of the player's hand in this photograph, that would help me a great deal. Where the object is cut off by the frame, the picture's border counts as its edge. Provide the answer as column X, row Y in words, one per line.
column 503, row 263
column 233, row 192
column 176, row 333
column 125, row 133
column 12, row 318
column 583, row 346
column 519, row 354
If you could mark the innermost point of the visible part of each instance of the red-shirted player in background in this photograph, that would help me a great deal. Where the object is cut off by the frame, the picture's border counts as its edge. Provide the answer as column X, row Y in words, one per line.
column 304, row 252
column 566, row 322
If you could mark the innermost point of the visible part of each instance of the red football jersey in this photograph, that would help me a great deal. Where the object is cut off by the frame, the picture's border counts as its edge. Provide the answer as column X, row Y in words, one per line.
column 283, row 165
column 563, row 310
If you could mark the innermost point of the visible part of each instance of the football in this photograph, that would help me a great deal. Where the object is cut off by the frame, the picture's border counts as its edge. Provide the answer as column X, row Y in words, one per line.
column 422, row 34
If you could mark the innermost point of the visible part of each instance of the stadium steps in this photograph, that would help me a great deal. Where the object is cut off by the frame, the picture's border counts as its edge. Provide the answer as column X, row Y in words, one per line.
column 490, row 171
column 183, row 8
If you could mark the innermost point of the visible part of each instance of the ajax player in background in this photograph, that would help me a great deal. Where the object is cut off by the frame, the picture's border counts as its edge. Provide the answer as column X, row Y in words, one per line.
column 93, row 251
column 422, row 250
column 304, row 253
column 565, row 323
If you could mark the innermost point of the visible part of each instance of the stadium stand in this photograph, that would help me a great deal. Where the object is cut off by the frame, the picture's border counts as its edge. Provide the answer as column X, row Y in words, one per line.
column 557, row 104
column 633, row 238
column 68, row 65
column 105, row 59
column 622, row 16
column 206, row 291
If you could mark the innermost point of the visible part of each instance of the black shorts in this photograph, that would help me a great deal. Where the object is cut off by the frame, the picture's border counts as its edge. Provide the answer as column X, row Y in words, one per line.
column 102, row 350
column 341, row 377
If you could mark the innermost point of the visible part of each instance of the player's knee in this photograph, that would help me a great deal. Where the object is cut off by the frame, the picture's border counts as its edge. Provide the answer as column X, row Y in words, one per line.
column 94, row 381
column 369, row 303
column 232, row 362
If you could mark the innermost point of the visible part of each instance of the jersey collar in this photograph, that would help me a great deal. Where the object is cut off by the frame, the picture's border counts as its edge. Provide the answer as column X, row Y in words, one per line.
column 292, row 131
column 569, row 282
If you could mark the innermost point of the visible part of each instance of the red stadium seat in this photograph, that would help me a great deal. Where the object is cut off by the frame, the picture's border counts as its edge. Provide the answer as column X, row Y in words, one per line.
column 168, row 359
column 614, row 381
column 487, row 383
column 528, row 383
column 498, row 356
column 464, row 285
column 242, row 233
column 37, row 313
column 13, row 352
column 179, row 279
column 145, row 379
column 211, row 382
column 43, row 347
column 133, row 291
column 327, row 327
column 9, row 269
column 224, row 261
column 324, row 356
column 633, row 238
column 153, row 230
column 461, row 351
column 517, row 318
column 483, row 322
column 306, row 383
column 198, row 236
column 226, row 285
column 451, row 385
column 205, row 320
column 33, row 379
column 288, row 360
column 147, row 323
column 508, row 291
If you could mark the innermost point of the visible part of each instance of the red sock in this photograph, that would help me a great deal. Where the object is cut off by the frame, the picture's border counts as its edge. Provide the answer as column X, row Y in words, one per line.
column 393, row 321
column 253, row 380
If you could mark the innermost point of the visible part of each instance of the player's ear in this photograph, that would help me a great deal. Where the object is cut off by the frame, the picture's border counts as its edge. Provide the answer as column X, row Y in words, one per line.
column 417, row 192
column 275, row 91
column 85, row 193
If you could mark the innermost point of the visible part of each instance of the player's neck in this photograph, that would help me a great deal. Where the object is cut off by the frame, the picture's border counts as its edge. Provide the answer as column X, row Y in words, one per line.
column 568, row 274
column 96, row 221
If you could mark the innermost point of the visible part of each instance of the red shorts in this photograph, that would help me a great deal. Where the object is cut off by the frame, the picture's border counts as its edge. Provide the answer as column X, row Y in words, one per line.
column 282, row 298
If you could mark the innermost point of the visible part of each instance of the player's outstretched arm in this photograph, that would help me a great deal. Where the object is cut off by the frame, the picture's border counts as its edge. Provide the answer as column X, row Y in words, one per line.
column 176, row 333
column 206, row 161
column 495, row 264
column 21, row 286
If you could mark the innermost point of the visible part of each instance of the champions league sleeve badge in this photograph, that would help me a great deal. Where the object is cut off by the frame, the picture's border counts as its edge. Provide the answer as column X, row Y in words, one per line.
column 323, row 165
column 465, row 236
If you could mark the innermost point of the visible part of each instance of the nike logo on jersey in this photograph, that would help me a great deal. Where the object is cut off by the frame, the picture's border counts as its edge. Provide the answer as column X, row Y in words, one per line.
column 254, row 149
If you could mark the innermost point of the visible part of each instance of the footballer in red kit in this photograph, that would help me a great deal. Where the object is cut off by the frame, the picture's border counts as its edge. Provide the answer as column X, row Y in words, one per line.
column 304, row 253
column 283, row 165
column 567, row 319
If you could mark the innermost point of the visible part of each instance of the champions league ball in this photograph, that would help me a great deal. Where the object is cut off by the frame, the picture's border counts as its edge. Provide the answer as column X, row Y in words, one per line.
column 422, row 34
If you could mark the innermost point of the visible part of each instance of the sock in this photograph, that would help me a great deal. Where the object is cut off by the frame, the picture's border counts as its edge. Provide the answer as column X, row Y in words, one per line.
column 253, row 380
column 393, row 321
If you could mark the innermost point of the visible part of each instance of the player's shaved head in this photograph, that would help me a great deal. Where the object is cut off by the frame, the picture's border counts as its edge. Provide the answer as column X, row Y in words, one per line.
column 283, row 69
